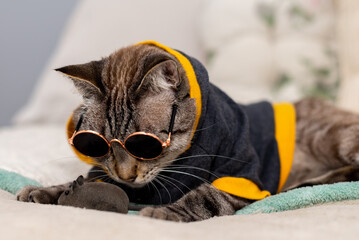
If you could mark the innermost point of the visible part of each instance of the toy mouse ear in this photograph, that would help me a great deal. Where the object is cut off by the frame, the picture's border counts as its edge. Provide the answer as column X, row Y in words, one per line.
column 80, row 180
column 73, row 185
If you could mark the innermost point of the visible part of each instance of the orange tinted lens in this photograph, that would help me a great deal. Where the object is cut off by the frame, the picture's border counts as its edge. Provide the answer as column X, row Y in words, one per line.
column 143, row 146
column 90, row 144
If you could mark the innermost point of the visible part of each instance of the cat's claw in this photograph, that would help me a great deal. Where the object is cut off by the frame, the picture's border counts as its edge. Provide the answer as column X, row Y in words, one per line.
column 162, row 213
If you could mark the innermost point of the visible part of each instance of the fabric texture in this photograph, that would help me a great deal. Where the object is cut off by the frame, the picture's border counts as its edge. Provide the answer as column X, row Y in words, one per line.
column 20, row 220
column 13, row 182
column 304, row 197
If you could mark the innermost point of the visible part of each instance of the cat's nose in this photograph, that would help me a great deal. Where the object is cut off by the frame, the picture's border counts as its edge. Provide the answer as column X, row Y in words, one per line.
column 126, row 171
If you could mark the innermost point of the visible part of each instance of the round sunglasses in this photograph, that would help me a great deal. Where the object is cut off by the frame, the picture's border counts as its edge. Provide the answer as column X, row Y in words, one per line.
column 140, row 145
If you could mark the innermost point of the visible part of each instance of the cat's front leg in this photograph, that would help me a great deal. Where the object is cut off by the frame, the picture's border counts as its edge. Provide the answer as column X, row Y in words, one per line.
column 44, row 195
column 202, row 203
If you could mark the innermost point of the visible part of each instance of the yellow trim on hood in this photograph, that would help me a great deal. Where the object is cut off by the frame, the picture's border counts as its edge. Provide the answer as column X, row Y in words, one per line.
column 240, row 187
column 70, row 127
column 284, row 115
column 195, row 91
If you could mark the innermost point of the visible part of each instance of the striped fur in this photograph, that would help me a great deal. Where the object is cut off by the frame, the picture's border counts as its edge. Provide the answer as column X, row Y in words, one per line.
column 327, row 143
column 202, row 203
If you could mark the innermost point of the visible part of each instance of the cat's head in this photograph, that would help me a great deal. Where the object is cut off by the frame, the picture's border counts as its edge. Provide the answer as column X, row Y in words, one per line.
column 134, row 90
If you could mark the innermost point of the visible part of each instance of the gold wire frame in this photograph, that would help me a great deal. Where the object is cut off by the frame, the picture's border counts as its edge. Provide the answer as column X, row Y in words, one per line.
column 163, row 144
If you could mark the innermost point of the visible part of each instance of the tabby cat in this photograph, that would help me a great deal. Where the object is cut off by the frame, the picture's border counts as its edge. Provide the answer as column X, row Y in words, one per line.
column 153, row 124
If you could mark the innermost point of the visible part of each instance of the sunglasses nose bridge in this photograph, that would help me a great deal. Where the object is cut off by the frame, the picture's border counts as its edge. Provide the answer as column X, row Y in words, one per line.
column 117, row 141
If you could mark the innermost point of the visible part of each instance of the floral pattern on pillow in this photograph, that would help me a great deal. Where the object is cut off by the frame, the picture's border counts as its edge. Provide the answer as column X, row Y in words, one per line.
column 292, row 43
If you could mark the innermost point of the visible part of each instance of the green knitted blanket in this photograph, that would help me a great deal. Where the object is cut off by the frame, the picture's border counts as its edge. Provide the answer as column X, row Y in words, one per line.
column 13, row 182
column 293, row 199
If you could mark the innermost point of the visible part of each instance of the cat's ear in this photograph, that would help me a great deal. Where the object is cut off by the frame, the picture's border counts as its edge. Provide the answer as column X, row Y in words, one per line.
column 86, row 77
column 162, row 76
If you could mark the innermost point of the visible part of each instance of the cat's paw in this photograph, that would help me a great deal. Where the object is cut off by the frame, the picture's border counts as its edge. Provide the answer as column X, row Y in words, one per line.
column 163, row 213
column 38, row 195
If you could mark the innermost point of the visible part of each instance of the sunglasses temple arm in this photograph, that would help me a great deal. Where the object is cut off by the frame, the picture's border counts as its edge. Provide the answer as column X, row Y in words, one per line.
column 168, row 141
column 174, row 110
column 78, row 125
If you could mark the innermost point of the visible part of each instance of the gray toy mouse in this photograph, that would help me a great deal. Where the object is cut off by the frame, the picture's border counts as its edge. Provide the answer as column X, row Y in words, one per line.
column 95, row 195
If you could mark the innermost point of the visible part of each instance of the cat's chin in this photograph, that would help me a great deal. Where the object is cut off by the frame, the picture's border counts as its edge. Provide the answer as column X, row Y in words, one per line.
column 134, row 184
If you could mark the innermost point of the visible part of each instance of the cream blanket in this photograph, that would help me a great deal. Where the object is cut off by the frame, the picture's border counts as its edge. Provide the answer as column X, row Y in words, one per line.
column 33, row 221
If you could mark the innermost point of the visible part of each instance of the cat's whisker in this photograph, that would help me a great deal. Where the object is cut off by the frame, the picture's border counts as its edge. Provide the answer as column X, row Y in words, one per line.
column 168, row 181
column 148, row 187
column 202, row 129
column 207, row 155
column 170, row 178
column 158, row 192
column 107, row 179
column 96, row 164
column 97, row 172
column 110, row 173
column 168, row 192
column 185, row 173
column 177, row 166
column 103, row 177
column 97, row 177
column 98, row 168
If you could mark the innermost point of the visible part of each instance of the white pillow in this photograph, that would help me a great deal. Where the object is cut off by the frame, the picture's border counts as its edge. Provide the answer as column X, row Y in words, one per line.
column 241, row 72
column 271, row 49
